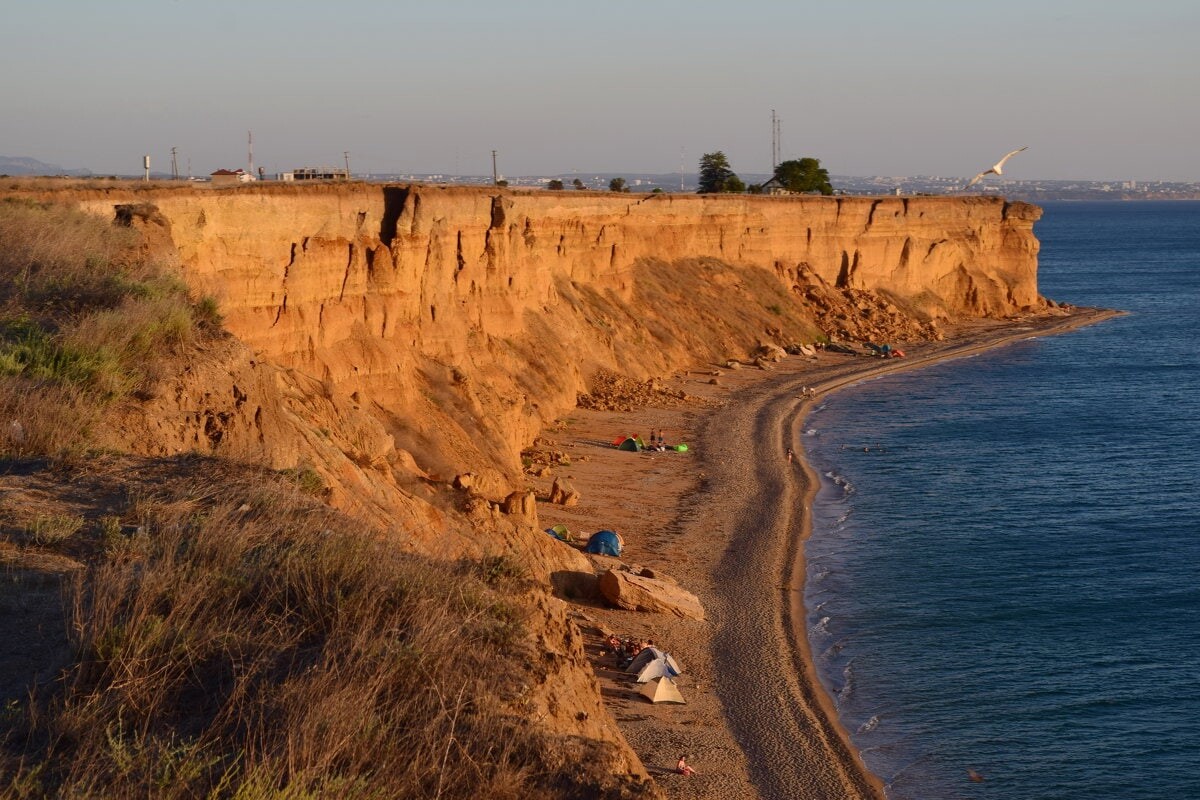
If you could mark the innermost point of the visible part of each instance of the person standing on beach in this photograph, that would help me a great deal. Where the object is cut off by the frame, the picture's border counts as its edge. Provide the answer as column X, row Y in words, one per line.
column 789, row 455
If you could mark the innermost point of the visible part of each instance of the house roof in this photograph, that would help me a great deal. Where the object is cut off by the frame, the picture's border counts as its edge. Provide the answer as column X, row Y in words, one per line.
column 228, row 172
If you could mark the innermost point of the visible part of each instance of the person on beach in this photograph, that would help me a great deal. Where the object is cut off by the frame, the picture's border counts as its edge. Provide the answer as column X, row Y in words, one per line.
column 789, row 455
column 682, row 767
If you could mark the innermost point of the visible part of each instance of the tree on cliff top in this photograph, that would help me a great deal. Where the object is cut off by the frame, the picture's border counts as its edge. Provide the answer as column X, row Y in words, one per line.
column 617, row 185
column 804, row 175
column 555, row 185
column 716, row 175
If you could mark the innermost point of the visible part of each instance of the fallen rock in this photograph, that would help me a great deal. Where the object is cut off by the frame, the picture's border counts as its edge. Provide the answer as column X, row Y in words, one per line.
column 520, row 504
column 638, row 593
column 563, row 493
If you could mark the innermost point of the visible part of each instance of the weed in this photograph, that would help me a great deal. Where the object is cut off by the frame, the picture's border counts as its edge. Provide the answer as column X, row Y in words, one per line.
column 55, row 528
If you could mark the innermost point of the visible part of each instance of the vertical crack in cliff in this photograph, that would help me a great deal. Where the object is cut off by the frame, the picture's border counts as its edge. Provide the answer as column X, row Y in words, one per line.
column 871, row 213
column 346, row 275
column 460, row 259
column 497, row 213
column 287, row 270
column 394, row 200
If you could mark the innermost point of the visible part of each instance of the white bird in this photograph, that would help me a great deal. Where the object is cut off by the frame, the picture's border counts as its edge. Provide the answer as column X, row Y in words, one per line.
column 997, row 169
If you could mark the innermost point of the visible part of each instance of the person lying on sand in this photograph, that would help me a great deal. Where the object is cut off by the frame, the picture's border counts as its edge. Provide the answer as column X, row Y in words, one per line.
column 682, row 767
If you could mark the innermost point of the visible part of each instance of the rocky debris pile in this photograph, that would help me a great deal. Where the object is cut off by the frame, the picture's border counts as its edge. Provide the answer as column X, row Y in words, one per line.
column 542, row 456
column 612, row 392
column 858, row 315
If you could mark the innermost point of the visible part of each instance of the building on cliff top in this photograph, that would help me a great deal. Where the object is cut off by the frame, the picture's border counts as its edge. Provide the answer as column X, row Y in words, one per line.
column 225, row 177
column 316, row 174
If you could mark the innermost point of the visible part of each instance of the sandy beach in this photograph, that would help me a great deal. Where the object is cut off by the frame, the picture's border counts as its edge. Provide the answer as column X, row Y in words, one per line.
column 727, row 520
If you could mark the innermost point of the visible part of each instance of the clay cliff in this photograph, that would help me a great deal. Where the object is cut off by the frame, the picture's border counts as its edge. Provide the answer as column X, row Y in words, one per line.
column 392, row 337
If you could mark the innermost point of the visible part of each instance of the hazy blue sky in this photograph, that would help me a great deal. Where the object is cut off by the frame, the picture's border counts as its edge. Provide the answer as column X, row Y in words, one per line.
column 1099, row 89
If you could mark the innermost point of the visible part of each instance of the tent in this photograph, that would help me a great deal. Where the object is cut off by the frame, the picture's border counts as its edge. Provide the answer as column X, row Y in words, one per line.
column 560, row 532
column 658, row 668
column 643, row 658
column 632, row 443
column 648, row 655
column 605, row 543
column 661, row 690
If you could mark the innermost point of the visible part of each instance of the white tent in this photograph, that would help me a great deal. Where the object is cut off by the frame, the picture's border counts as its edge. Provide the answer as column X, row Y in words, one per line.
column 664, row 667
column 651, row 654
column 661, row 690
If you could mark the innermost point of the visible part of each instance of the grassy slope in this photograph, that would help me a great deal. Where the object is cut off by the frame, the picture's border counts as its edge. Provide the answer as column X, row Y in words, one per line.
column 229, row 635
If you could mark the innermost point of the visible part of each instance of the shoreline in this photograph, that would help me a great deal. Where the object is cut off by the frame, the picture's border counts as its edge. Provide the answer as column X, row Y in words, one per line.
column 729, row 520
column 796, row 611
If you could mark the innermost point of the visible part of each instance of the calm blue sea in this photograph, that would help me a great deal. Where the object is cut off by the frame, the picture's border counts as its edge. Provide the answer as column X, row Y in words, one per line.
column 1005, row 571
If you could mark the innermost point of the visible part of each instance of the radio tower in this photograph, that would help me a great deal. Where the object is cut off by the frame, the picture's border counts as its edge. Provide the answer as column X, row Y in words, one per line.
column 174, row 166
column 774, row 141
column 250, row 149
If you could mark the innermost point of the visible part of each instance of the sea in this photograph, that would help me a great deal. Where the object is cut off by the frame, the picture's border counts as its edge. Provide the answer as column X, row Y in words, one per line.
column 1003, row 589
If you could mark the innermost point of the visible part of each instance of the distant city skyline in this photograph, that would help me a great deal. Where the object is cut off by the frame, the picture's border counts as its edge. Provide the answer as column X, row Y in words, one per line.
column 929, row 87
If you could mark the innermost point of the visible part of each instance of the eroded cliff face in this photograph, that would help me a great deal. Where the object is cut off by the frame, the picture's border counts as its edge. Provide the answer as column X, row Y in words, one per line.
column 400, row 335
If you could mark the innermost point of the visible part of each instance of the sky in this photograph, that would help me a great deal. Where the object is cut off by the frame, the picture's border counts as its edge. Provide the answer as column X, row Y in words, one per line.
column 1097, row 89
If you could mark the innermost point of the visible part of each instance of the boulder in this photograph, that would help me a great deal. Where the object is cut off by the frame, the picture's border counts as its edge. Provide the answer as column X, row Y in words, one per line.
column 521, row 504
column 639, row 593
column 771, row 352
column 563, row 493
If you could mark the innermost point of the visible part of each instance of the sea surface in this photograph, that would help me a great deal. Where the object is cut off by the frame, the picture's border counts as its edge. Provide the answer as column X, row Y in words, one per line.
column 1004, row 575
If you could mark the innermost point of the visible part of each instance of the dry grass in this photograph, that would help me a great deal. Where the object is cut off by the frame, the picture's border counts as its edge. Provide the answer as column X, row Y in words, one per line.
column 85, row 319
column 279, row 651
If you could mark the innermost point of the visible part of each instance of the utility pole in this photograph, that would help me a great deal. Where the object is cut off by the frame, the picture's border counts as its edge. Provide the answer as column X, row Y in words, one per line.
column 250, row 150
column 174, row 166
column 146, row 167
column 346, row 155
column 681, row 163
column 495, row 174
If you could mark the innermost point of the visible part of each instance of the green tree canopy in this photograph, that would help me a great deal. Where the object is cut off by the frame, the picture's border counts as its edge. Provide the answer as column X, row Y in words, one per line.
column 617, row 185
column 716, row 175
column 804, row 175
column 555, row 184
column 578, row 184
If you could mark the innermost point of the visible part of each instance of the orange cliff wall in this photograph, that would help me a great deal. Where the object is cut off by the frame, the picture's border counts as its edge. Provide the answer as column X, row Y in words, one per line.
column 429, row 330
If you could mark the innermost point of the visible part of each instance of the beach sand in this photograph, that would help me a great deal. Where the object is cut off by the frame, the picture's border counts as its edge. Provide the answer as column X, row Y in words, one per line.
column 727, row 520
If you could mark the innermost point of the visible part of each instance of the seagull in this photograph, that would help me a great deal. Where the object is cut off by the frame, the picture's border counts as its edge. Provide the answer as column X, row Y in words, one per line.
column 998, row 169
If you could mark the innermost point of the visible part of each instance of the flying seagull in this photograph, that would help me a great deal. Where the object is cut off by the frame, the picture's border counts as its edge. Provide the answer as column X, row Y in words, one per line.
column 998, row 169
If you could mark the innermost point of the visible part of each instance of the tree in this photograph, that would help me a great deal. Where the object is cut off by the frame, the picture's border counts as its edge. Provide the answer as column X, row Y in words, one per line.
column 578, row 184
column 804, row 175
column 716, row 176
column 617, row 185
column 555, row 184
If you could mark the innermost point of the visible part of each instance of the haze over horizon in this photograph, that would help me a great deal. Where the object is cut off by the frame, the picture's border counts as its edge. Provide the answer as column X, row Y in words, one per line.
column 931, row 87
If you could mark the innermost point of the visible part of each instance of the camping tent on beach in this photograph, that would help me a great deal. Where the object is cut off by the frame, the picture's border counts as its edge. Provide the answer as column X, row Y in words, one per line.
column 661, row 690
column 658, row 668
column 649, row 655
column 604, row 543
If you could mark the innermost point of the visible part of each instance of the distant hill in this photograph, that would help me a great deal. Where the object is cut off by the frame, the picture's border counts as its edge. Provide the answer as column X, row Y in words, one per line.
column 18, row 165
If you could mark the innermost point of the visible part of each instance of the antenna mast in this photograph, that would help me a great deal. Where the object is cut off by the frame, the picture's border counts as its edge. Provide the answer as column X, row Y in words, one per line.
column 250, row 149
column 775, row 146
column 346, row 155
column 174, row 166
column 495, row 174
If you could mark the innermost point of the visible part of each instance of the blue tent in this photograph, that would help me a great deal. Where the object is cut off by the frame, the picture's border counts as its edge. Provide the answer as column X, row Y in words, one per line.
column 605, row 543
